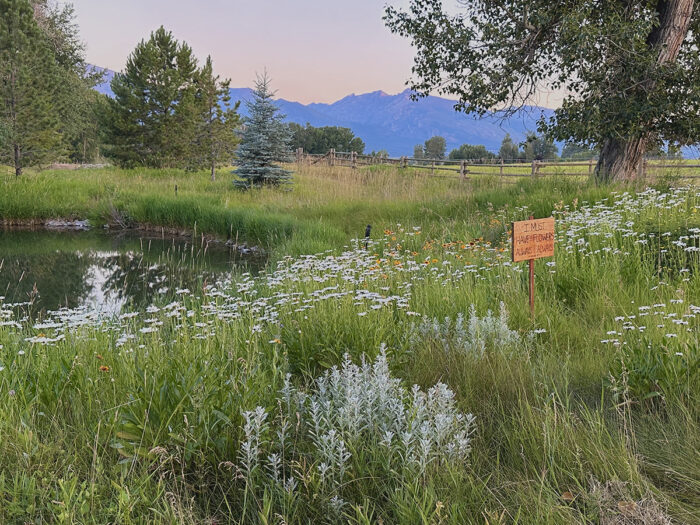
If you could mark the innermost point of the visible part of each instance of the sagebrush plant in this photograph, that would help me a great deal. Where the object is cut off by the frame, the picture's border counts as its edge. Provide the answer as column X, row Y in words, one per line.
column 474, row 335
column 355, row 420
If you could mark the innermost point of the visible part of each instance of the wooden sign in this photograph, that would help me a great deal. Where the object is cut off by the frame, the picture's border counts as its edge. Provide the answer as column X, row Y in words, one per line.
column 533, row 239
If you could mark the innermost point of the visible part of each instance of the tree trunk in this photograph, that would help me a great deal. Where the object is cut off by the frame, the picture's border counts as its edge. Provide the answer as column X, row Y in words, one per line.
column 213, row 170
column 18, row 160
column 619, row 158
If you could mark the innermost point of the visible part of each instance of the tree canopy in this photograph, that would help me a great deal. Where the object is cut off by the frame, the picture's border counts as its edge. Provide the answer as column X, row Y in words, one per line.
column 149, row 121
column 435, row 148
column 631, row 69
column 473, row 152
column 321, row 140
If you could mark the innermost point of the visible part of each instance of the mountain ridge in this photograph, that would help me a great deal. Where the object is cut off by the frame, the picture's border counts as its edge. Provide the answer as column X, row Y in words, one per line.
column 395, row 123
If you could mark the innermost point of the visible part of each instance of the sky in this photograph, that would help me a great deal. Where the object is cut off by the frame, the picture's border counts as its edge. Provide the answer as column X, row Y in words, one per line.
column 314, row 50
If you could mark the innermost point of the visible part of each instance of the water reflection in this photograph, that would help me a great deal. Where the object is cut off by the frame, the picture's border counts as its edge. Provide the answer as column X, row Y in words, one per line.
column 45, row 270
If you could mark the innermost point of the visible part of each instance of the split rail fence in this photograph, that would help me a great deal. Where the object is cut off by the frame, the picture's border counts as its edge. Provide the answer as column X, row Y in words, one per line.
column 495, row 167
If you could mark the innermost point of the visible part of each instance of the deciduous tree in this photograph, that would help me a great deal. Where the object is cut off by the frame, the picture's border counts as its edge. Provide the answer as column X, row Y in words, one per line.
column 631, row 69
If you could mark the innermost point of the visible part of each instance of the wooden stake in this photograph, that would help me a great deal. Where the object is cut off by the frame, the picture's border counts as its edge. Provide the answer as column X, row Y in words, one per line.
column 532, row 283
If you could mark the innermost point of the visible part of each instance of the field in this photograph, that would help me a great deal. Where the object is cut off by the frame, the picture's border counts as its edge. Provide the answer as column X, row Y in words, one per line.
column 288, row 397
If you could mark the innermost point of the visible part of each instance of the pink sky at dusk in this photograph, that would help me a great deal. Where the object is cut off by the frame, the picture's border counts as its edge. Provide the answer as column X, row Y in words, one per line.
column 314, row 50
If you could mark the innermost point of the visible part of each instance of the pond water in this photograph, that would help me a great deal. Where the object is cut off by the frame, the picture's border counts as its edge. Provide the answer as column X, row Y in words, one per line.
column 46, row 270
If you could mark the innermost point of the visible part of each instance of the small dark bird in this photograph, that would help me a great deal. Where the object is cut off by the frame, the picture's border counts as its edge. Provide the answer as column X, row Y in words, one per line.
column 368, row 230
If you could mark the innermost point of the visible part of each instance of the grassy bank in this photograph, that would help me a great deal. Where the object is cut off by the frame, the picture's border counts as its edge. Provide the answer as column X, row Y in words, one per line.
column 223, row 409
column 325, row 208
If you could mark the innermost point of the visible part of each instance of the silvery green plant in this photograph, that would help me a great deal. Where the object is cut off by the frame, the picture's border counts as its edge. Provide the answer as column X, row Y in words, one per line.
column 362, row 410
column 470, row 336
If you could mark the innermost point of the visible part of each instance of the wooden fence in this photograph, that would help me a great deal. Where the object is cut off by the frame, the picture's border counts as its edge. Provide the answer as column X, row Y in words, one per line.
column 496, row 167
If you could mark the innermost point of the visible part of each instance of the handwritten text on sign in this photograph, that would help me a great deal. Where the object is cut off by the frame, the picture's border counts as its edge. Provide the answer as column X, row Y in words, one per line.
column 533, row 239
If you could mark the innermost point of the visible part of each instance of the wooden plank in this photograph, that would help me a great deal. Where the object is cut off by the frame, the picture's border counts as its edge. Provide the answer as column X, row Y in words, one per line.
column 533, row 239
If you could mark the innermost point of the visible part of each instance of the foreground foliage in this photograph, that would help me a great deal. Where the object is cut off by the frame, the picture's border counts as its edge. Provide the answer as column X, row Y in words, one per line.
column 287, row 396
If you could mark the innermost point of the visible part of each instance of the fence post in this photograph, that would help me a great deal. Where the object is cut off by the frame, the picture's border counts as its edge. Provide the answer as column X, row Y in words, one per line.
column 353, row 158
column 533, row 173
column 590, row 166
column 461, row 170
column 331, row 157
column 501, row 171
column 432, row 168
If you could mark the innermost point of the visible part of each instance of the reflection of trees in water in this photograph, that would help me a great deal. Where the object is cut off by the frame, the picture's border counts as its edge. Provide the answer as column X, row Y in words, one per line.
column 75, row 269
column 137, row 281
column 59, row 278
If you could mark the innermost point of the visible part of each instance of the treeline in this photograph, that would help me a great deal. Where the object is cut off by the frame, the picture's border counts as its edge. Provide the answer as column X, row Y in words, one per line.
column 534, row 147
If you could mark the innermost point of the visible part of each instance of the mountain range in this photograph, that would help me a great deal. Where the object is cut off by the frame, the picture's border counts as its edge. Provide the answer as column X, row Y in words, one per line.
column 396, row 123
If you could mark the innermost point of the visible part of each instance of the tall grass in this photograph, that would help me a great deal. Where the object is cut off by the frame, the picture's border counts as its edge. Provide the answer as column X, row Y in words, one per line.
column 154, row 418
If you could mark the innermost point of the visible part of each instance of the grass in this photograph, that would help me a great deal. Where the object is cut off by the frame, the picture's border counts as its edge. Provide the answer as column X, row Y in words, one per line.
column 141, row 419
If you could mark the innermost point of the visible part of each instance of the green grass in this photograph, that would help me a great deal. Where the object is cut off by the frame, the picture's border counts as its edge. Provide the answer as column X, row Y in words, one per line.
column 569, row 429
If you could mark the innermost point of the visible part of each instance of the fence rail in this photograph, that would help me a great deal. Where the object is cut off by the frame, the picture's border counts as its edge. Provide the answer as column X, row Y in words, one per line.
column 496, row 167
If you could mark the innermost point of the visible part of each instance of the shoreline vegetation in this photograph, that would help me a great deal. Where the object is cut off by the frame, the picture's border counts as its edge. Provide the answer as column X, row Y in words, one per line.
column 327, row 207
column 288, row 397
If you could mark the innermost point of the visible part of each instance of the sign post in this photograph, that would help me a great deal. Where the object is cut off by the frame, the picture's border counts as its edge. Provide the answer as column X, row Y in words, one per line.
column 533, row 239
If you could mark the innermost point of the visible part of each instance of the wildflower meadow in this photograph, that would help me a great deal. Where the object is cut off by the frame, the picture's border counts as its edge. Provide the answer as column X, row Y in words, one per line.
column 395, row 380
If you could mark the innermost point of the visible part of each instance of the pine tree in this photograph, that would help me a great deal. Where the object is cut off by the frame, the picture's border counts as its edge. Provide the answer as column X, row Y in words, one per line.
column 151, row 119
column 28, row 86
column 215, row 138
column 265, row 142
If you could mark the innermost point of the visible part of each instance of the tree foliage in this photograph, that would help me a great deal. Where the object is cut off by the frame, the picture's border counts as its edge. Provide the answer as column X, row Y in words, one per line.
column 29, row 84
column 321, row 140
column 418, row 151
column 216, row 121
column 631, row 69
column 573, row 151
column 264, row 142
column 509, row 150
column 472, row 152
column 435, row 148
column 537, row 147
column 151, row 119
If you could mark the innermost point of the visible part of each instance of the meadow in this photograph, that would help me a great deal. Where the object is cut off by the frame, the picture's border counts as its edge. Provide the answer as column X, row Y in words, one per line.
column 398, row 381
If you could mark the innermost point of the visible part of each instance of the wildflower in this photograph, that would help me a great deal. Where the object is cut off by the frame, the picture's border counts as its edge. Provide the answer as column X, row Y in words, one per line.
column 104, row 368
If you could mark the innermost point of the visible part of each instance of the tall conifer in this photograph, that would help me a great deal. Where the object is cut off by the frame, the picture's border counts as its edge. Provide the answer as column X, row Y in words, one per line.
column 28, row 85
column 215, row 138
column 150, row 120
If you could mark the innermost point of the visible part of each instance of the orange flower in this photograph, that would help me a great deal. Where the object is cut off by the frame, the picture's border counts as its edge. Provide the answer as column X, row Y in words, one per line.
column 99, row 356
column 104, row 368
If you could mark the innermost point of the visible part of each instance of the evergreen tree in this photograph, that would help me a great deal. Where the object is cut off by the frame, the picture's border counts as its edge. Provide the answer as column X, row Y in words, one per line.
column 265, row 142
column 75, row 99
column 509, row 151
column 151, row 119
column 28, row 86
column 215, row 138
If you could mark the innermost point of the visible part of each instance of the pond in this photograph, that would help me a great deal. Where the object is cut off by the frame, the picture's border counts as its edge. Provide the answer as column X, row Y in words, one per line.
column 105, row 271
